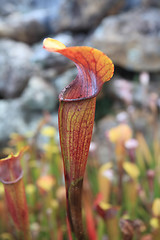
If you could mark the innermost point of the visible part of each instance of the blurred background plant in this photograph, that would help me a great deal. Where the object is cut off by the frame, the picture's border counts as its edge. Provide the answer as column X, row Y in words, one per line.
column 121, row 197
column 121, row 190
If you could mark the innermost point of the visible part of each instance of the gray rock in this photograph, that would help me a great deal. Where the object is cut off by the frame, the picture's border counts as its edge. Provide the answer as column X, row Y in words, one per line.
column 48, row 74
column 75, row 15
column 129, row 4
column 39, row 95
column 83, row 15
column 28, row 27
column 15, row 119
column 132, row 3
column 9, row 110
column 131, row 39
column 153, row 3
column 15, row 68
column 10, row 6
column 7, row 7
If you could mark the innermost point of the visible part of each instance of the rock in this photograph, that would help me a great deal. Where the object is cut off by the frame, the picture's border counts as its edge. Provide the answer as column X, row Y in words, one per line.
column 10, row 6
column 24, row 6
column 7, row 7
column 28, row 27
column 31, row 21
column 153, row 3
column 11, row 110
column 129, row 4
column 26, row 121
column 15, row 68
column 75, row 15
column 132, row 3
column 39, row 96
column 47, row 74
column 83, row 15
column 133, row 45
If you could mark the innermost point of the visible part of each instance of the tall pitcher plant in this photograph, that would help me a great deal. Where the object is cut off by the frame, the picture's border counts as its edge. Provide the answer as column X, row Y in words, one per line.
column 76, row 119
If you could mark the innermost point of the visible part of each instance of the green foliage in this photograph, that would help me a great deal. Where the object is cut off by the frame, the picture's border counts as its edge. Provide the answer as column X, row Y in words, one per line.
column 44, row 183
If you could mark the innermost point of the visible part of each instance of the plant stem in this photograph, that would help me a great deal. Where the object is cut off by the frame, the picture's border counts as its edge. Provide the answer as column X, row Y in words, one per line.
column 74, row 209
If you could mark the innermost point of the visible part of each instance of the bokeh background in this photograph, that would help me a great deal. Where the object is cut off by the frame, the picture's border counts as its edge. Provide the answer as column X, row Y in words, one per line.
column 128, row 31
column 124, row 173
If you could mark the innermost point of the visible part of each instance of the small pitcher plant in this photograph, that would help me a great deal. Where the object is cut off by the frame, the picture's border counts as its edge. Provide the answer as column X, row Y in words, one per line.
column 11, row 175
